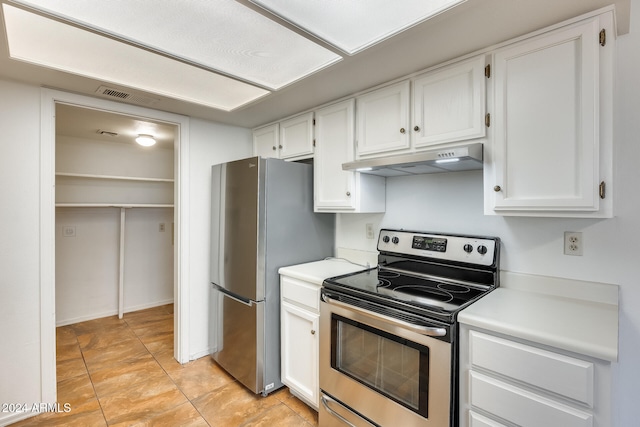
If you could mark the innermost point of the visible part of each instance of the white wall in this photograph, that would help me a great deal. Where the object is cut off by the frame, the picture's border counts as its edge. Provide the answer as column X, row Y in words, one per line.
column 19, row 244
column 211, row 143
column 454, row 203
column 87, row 264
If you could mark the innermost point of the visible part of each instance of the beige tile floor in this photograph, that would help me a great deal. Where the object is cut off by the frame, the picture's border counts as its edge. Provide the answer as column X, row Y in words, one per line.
column 121, row 372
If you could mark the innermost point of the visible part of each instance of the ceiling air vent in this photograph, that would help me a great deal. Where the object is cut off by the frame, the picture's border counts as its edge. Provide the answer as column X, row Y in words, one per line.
column 122, row 95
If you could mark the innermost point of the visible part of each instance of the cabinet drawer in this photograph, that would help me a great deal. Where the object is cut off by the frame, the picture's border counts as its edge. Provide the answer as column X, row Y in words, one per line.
column 477, row 420
column 564, row 375
column 300, row 292
column 522, row 407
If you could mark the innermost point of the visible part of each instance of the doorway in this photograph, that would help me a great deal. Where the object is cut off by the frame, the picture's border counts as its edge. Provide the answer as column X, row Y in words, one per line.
column 171, row 217
column 114, row 214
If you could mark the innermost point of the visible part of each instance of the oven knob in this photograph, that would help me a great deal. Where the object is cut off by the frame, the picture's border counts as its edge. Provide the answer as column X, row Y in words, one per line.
column 385, row 239
column 482, row 249
column 395, row 240
column 468, row 248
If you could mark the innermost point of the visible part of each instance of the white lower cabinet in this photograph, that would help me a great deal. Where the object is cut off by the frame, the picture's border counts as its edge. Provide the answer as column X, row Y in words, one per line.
column 506, row 382
column 477, row 420
column 299, row 315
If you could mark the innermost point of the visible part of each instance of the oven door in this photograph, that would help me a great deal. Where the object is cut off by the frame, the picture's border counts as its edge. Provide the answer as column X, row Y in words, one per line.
column 390, row 371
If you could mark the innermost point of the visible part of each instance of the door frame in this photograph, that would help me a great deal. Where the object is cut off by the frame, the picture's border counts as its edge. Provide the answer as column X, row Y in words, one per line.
column 49, row 98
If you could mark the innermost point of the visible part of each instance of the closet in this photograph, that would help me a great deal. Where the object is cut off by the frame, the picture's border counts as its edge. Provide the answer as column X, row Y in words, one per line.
column 114, row 214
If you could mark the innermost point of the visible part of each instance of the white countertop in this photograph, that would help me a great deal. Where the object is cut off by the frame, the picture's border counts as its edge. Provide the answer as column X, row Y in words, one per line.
column 315, row 272
column 576, row 316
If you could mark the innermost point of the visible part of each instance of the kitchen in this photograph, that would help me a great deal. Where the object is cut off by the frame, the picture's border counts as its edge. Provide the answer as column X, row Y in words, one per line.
column 531, row 245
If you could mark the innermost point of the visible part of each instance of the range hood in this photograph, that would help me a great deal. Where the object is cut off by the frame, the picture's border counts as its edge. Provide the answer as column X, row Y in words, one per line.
column 454, row 159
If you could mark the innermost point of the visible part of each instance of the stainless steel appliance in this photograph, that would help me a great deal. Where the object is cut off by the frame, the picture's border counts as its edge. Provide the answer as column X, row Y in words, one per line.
column 388, row 335
column 454, row 159
column 262, row 219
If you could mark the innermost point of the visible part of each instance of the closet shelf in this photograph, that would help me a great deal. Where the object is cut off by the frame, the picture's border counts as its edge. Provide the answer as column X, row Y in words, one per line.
column 113, row 205
column 112, row 177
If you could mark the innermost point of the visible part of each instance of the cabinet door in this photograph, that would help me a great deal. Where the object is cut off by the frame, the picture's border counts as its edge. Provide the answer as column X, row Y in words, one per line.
column 546, row 142
column 334, row 189
column 266, row 141
column 300, row 351
column 449, row 104
column 382, row 120
column 296, row 137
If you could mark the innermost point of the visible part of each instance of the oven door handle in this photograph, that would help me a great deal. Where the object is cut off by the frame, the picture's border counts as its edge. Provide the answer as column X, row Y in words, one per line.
column 432, row 331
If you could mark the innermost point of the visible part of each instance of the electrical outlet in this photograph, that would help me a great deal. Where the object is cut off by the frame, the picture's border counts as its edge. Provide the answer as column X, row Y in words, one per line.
column 573, row 243
column 369, row 231
column 161, row 227
column 68, row 231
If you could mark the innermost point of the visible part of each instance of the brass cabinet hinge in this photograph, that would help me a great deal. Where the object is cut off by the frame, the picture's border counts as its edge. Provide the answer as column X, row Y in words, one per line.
column 487, row 120
column 314, row 142
column 603, row 37
column 602, row 190
column 314, row 122
column 487, row 71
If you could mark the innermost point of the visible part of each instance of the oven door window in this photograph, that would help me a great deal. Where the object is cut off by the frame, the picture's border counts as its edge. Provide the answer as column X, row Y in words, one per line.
column 390, row 365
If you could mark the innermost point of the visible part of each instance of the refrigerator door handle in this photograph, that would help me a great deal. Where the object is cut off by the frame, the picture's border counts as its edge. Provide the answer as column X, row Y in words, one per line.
column 236, row 298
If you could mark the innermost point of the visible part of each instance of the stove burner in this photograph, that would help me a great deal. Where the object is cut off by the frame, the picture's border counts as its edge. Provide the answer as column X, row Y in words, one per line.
column 418, row 293
column 453, row 287
column 388, row 274
column 384, row 283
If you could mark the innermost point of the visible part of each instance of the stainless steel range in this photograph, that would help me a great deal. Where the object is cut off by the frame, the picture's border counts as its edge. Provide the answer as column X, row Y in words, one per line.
column 388, row 335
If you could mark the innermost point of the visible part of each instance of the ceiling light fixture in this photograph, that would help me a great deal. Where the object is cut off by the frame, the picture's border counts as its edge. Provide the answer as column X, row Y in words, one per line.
column 333, row 20
column 217, row 36
column 36, row 39
column 145, row 140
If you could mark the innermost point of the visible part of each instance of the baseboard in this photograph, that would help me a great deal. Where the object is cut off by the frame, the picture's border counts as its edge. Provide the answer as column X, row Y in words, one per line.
column 15, row 417
column 94, row 316
column 199, row 354
column 145, row 306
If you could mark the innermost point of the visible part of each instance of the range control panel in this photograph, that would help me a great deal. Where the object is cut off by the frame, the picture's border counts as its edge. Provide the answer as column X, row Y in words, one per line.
column 470, row 249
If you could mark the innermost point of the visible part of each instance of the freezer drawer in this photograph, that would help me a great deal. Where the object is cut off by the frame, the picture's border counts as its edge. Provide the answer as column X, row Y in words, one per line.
column 240, row 343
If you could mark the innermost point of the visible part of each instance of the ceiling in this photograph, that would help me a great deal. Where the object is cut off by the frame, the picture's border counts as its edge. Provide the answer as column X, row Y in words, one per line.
column 471, row 26
column 90, row 124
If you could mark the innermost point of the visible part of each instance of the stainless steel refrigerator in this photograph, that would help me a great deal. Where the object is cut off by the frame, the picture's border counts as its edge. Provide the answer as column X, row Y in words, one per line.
column 261, row 219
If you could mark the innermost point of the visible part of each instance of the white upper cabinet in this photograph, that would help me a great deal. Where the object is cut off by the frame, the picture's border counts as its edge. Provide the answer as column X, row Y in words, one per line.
column 449, row 104
column 383, row 120
column 551, row 144
column 336, row 190
column 290, row 139
column 266, row 140
column 296, row 137
column 445, row 105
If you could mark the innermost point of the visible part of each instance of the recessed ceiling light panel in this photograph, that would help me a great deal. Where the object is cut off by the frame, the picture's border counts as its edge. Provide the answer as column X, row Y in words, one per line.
column 46, row 42
column 219, row 35
column 355, row 25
